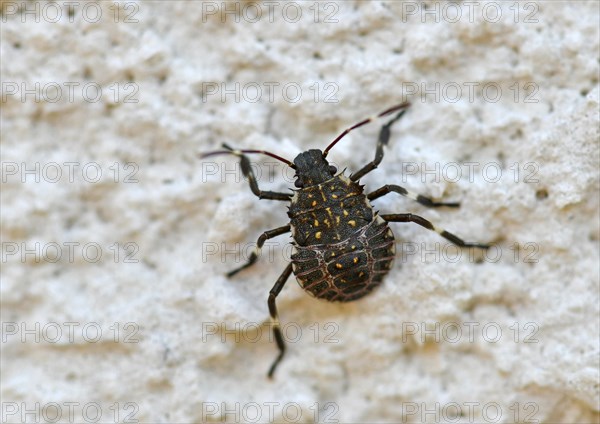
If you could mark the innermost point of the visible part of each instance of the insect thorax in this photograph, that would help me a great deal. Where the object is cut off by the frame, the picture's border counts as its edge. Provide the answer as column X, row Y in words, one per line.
column 329, row 212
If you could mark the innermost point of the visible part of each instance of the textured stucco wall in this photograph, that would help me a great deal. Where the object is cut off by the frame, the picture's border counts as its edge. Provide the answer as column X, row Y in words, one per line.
column 163, row 219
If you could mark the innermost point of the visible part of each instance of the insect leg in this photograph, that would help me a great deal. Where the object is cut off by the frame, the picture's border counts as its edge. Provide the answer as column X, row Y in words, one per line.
column 384, row 137
column 249, row 173
column 275, row 317
column 259, row 244
column 389, row 188
column 409, row 217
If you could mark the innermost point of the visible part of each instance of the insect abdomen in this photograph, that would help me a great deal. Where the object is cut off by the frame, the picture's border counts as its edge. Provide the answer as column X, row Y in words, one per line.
column 347, row 270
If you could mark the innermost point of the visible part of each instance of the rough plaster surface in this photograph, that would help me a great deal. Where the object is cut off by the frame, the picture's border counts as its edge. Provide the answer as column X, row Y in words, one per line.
column 366, row 363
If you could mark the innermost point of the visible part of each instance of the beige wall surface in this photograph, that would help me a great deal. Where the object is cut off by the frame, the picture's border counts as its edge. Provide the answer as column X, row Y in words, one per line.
column 116, row 236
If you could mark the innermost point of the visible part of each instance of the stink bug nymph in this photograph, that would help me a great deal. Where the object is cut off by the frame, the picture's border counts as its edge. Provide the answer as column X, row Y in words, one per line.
column 343, row 248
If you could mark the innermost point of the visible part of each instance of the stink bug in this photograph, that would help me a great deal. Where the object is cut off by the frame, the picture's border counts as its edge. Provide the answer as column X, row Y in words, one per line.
column 342, row 247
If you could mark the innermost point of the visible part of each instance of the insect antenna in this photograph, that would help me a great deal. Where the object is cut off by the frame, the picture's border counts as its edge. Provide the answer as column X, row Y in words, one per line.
column 231, row 151
column 364, row 122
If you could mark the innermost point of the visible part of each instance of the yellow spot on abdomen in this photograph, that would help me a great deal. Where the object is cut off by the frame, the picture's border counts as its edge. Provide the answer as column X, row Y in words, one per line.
column 355, row 260
column 338, row 266
column 316, row 224
column 345, row 212
column 352, row 223
column 314, row 203
column 318, row 235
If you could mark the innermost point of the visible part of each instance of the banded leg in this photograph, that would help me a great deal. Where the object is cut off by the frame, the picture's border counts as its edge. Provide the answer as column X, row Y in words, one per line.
column 426, row 201
column 248, row 173
column 259, row 244
column 384, row 137
column 275, row 317
column 409, row 217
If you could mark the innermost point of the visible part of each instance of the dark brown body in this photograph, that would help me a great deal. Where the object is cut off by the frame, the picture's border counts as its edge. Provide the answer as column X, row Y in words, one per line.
column 342, row 248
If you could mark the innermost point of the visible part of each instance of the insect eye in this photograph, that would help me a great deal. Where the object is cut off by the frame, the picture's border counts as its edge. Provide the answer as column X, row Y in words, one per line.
column 298, row 183
column 332, row 169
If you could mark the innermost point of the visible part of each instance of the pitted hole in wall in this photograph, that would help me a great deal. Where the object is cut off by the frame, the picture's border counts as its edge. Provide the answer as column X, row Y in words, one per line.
column 541, row 194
